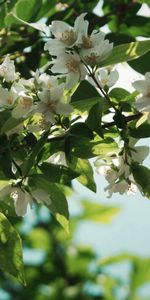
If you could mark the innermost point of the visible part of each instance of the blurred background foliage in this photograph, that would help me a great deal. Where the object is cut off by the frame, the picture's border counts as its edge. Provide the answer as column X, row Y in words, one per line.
column 55, row 266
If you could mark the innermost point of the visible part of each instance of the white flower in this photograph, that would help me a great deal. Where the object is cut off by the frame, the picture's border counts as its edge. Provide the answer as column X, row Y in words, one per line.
column 143, row 86
column 86, row 41
column 121, row 187
column 104, row 78
column 65, row 35
column 58, row 158
column 107, row 79
column 21, row 88
column 94, row 56
column 6, row 97
column 7, row 70
column 22, row 199
column 107, row 170
column 23, row 108
column 51, row 104
column 46, row 81
column 117, row 170
column 71, row 66
column 28, row 84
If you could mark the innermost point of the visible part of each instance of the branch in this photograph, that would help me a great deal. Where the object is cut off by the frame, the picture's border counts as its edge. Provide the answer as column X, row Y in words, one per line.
column 127, row 119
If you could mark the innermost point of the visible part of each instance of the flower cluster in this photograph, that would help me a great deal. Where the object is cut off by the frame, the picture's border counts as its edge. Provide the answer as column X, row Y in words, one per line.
column 41, row 102
column 74, row 48
column 41, row 94
column 14, row 91
column 117, row 168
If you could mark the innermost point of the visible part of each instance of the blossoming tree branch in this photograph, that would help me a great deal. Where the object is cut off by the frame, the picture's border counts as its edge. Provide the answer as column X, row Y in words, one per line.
column 55, row 121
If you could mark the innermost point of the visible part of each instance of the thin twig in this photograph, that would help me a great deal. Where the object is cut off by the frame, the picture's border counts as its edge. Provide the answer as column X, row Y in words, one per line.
column 127, row 119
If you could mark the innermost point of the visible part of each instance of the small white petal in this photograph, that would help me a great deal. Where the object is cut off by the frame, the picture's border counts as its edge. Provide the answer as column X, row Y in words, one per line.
column 141, row 86
column 23, row 199
column 64, row 108
column 113, row 77
column 143, row 103
column 58, row 28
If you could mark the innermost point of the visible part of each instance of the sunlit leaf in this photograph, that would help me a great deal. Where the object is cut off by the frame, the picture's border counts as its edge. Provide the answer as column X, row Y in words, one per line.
column 96, row 212
column 83, row 167
column 141, row 175
column 127, row 52
column 10, row 250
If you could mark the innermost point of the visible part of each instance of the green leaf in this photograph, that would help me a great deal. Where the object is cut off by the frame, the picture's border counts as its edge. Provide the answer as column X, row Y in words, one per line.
column 140, row 64
column 98, row 147
column 57, row 203
column 105, row 261
column 119, row 119
column 138, row 26
column 94, row 118
column 85, row 97
column 84, row 91
column 47, row 9
column 85, row 106
column 12, row 19
column 141, row 175
column 27, row 9
column 28, row 164
column 7, row 207
column 6, row 164
column 121, row 95
column 57, row 173
column 23, row 10
column 83, row 167
column 140, row 132
column 10, row 124
column 126, row 52
column 80, row 129
column 10, row 250
column 97, row 212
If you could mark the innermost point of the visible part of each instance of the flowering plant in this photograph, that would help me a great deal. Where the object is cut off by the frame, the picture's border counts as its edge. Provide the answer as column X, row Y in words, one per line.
column 54, row 120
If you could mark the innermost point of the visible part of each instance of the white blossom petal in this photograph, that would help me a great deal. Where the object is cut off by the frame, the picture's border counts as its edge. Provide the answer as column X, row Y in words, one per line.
column 22, row 200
